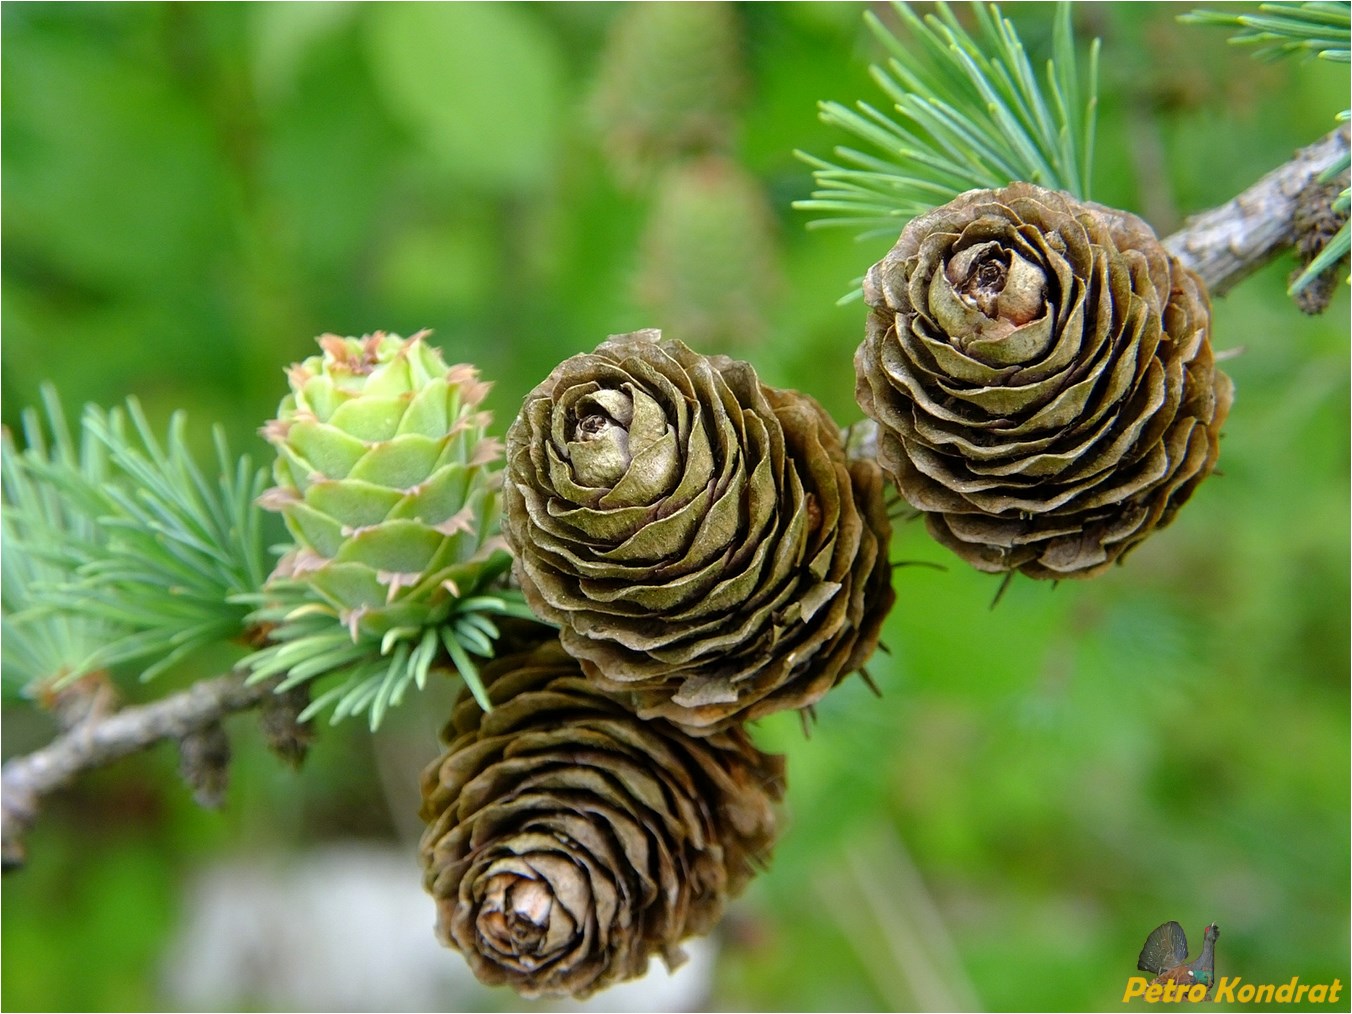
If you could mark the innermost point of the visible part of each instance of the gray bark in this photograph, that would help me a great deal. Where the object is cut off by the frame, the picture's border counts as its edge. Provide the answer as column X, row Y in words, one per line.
column 1227, row 244
column 101, row 738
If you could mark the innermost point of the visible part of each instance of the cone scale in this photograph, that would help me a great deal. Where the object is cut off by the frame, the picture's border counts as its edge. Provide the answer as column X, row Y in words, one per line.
column 1041, row 373
column 383, row 478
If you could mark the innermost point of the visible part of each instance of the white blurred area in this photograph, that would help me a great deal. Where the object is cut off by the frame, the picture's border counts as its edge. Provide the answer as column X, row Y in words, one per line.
column 349, row 928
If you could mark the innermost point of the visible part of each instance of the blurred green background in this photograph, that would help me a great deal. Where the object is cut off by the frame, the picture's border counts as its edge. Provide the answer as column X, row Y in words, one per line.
column 192, row 192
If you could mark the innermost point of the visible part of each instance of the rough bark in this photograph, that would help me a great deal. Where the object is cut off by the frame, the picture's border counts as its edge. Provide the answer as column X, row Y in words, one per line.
column 1227, row 244
column 102, row 738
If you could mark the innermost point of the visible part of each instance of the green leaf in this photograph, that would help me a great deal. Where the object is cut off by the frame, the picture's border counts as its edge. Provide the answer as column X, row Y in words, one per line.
column 968, row 111
column 281, row 35
column 468, row 670
column 482, row 85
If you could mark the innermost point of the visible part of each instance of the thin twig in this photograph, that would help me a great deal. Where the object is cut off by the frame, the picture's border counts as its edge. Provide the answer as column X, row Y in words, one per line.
column 1227, row 244
column 104, row 738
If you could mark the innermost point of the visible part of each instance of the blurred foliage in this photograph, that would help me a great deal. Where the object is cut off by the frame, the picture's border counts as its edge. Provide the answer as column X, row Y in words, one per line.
column 193, row 192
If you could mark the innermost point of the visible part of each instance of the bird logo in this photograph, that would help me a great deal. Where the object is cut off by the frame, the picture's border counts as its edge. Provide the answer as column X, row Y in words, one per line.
column 1165, row 955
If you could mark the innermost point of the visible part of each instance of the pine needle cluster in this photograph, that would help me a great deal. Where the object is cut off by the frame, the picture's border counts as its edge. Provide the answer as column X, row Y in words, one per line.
column 968, row 111
column 120, row 549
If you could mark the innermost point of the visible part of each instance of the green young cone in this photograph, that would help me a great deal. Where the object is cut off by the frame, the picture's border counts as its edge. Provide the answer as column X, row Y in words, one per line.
column 383, row 479
column 669, row 85
column 1042, row 377
column 702, row 540
column 710, row 259
column 568, row 841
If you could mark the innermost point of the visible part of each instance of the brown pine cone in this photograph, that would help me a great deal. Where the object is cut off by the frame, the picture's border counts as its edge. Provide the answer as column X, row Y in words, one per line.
column 701, row 539
column 567, row 841
column 1041, row 372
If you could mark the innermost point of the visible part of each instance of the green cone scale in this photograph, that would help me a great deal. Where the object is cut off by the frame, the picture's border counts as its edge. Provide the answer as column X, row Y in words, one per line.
column 702, row 539
column 383, row 477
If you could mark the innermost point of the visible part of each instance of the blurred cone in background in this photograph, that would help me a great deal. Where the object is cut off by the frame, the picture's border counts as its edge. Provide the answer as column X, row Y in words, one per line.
column 710, row 265
column 669, row 85
column 667, row 107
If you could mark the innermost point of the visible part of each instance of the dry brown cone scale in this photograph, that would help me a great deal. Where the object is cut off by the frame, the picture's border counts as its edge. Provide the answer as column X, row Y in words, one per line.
column 569, row 841
column 704, row 543
column 1041, row 372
